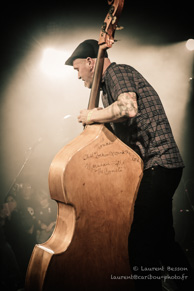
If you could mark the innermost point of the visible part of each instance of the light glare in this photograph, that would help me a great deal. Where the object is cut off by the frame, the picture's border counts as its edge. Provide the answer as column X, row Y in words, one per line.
column 53, row 62
column 190, row 44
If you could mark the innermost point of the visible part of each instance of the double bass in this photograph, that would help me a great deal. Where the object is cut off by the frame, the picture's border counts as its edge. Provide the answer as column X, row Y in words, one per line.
column 94, row 180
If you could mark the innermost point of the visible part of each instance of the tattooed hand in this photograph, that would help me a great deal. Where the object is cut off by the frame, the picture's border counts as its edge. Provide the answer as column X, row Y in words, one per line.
column 85, row 116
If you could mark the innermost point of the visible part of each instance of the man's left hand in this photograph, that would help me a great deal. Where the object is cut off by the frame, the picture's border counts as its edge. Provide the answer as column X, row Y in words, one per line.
column 85, row 116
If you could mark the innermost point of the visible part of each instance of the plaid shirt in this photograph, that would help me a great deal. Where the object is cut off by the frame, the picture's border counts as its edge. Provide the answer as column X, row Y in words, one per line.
column 149, row 132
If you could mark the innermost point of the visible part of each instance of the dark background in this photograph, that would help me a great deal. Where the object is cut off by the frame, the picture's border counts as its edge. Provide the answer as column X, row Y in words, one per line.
column 156, row 23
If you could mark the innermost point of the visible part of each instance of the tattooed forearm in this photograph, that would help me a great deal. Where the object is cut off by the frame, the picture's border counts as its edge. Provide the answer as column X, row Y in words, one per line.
column 125, row 107
column 127, row 104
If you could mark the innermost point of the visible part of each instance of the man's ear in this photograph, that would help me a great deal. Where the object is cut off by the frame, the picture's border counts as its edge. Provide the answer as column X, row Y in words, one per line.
column 90, row 62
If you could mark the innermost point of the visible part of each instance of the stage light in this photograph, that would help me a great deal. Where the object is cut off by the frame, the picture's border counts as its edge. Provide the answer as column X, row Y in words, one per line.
column 190, row 44
column 53, row 62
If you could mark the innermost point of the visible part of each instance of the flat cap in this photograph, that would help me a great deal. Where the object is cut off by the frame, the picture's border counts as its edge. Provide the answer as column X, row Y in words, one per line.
column 87, row 48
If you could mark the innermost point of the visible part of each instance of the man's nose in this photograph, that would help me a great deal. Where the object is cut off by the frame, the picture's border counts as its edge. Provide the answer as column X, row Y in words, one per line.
column 79, row 77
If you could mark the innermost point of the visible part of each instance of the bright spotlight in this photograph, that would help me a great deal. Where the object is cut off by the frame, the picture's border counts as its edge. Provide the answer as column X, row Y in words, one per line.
column 190, row 44
column 53, row 62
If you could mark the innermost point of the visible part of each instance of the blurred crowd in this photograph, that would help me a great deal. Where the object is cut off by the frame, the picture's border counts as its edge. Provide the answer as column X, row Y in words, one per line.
column 27, row 217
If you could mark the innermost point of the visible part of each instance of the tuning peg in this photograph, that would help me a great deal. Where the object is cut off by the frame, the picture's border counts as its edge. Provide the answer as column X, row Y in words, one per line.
column 118, row 27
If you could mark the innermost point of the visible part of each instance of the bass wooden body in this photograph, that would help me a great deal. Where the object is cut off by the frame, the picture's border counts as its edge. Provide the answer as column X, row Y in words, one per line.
column 95, row 180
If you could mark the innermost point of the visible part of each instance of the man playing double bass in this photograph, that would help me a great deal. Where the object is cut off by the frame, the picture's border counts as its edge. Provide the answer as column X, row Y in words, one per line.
column 136, row 115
